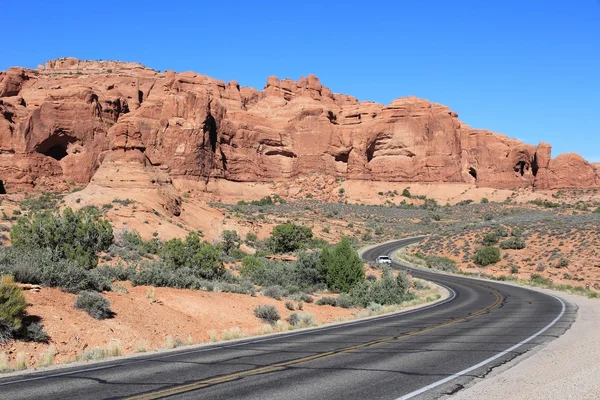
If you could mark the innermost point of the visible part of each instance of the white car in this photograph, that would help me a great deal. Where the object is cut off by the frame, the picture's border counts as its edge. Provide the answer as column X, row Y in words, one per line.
column 384, row 260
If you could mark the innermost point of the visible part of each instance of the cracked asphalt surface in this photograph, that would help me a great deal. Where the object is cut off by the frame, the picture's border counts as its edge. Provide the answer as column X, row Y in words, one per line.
column 383, row 358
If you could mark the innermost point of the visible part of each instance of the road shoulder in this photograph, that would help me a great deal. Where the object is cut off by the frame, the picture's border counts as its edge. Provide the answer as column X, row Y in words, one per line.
column 564, row 368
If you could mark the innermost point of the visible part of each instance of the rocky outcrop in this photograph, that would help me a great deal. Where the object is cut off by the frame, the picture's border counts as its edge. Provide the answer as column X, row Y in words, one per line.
column 74, row 120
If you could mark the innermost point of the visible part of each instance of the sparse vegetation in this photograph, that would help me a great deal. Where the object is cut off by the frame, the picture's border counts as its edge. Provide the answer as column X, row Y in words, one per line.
column 267, row 313
column 486, row 256
column 12, row 308
column 96, row 305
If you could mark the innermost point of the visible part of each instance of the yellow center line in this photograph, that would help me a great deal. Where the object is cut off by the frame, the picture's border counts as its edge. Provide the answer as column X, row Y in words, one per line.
column 283, row 365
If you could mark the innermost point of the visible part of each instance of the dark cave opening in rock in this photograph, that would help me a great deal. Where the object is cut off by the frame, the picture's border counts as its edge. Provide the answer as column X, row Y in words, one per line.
column 520, row 167
column 534, row 165
column 210, row 126
column 2, row 189
column 473, row 172
column 343, row 157
column 371, row 150
column 55, row 146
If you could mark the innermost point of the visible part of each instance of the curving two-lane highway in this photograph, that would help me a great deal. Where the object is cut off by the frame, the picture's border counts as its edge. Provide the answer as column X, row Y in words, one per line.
column 419, row 354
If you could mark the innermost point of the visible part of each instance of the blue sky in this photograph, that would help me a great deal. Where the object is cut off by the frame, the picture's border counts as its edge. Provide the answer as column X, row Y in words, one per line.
column 529, row 69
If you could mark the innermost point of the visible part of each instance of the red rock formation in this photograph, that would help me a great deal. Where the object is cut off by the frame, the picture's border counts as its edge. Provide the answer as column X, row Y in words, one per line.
column 70, row 117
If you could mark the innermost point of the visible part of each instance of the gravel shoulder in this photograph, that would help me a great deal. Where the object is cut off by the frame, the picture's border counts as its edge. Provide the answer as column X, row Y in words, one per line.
column 565, row 368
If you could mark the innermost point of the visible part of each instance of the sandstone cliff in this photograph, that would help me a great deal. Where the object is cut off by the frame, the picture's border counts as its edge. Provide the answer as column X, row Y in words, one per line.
column 122, row 123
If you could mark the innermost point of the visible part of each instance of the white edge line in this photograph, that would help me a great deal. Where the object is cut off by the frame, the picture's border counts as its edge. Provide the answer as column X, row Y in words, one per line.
column 484, row 362
column 244, row 343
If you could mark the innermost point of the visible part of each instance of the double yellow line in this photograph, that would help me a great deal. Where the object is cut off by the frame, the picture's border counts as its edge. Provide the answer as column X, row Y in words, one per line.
column 283, row 365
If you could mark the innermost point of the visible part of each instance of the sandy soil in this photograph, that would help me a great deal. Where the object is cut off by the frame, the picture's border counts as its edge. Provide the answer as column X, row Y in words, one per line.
column 579, row 248
column 148, row 315
column 565, row 368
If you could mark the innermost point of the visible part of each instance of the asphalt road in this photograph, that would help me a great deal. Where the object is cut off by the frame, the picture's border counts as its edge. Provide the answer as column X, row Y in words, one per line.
column 422, row 354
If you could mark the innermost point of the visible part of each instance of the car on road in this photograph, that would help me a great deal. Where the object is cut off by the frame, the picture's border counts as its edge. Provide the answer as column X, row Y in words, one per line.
column 384, row 260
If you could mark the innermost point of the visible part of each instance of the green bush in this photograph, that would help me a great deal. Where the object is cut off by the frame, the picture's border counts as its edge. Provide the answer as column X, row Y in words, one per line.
column 96, row 305
column 289, row 237
column 267, row 313
column 231, row 241
column 200, row 257
column 406, row 193
column 387, row 290
column 514, row 243
column 326, row 301
column 77, row 237
column 485, row 200
column 486, row 256
column 38, row 266
column 12, row 308
column 490, row 239
column 251, row 264
column 289, row 305
column 341, row 266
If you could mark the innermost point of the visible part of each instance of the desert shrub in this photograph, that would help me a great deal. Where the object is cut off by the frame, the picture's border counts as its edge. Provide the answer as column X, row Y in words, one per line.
column 540, row 280
column 303, row 297
column 46, row 201
column 597, row 211
column 96, row 305
column 132, row 240
column 326, row 301
column 265, row 201
column 387, row 290
column 275, row 292
column 301, row 320
column 430, row 204
column 490, row 239
column 12, row 308
column 231, row 241
column 38, row 266
column 307, row 270
column 514, row 269
column 371, row 277
column 406, row 193
column 289, row 305
column 486, row 256
column 267, row 313
column 77, row 237
column 441, row 263
column 289, row 237
column 34, row 332
column 293, row 319
column 251, row 264
column 291, row 276
column 251, row 238
column 514, row 243
column 344, row 301
column 485, row 200
column 201, row 257
column 341, row 267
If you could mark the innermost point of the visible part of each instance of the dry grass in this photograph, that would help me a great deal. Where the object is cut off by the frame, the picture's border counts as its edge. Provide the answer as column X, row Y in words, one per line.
column 20, row 362
column 141, row 346
column 114, row 349
column 47, row 357
column 4, row 364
